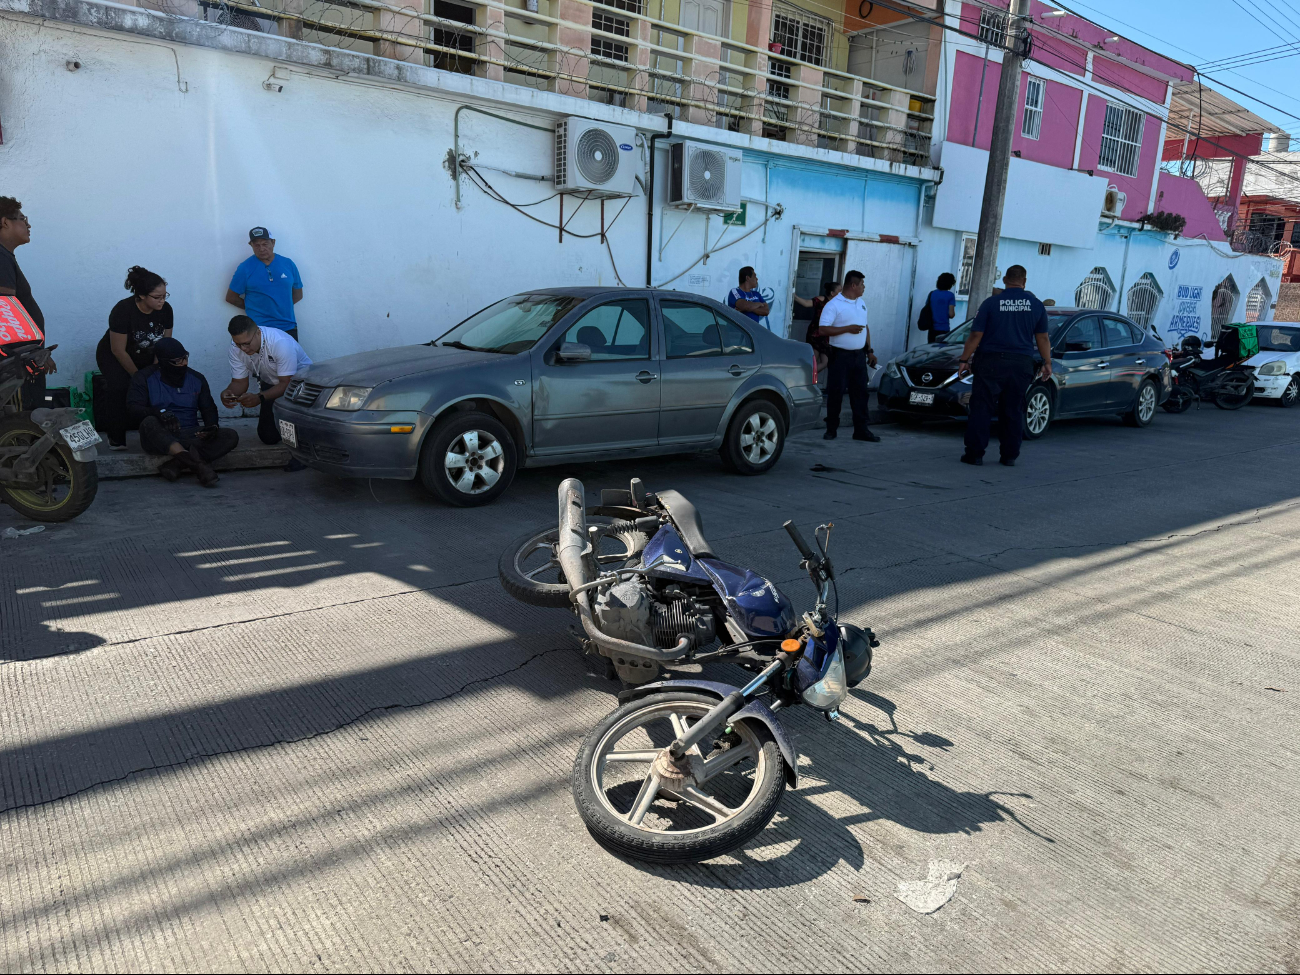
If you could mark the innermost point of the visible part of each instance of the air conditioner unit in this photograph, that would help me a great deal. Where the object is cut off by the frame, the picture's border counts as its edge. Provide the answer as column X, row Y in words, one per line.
column 595, row 158
column 1115, row 201
column 704, row 177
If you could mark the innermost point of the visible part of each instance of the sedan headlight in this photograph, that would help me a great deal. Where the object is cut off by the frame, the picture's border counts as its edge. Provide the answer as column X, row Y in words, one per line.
column 891, row 370
column 1275, row 368
column 348, row 397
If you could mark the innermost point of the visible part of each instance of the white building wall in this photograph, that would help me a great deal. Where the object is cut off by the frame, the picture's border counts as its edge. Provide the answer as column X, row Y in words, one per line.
column 165, row 154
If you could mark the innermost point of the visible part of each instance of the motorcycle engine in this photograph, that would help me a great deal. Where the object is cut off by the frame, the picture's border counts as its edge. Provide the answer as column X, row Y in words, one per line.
column 630, row 611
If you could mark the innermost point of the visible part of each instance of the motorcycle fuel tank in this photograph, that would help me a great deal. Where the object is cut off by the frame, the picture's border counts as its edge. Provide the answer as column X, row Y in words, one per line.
column 754, row 604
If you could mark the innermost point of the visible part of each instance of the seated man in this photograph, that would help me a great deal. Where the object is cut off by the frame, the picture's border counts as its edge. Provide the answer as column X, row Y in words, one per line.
column 168, row 400
column 274, row 357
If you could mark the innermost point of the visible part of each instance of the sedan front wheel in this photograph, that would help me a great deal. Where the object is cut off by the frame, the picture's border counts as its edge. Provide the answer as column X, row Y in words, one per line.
column 468, row 460
column 754, row 439
column 1038, row 412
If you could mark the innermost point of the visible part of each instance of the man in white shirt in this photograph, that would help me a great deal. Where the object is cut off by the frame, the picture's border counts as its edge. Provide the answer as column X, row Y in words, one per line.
column 844, row 322
column 274, row 357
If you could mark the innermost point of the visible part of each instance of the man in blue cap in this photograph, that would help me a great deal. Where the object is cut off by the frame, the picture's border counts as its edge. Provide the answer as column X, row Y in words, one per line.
column 177, row 415
column 267, row 285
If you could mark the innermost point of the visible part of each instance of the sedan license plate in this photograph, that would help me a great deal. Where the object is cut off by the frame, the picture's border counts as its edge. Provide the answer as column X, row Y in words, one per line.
column 921, row 399
column 80, row 436
column 288, row 433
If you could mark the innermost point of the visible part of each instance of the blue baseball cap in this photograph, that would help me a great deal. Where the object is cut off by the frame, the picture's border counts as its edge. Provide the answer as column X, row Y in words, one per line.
column 259, row 233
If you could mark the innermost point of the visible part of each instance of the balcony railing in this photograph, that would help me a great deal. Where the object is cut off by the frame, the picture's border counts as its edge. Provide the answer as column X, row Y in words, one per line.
column 642, row 64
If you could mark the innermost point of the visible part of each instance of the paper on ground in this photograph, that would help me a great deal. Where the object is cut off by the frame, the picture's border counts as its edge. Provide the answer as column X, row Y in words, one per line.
column 928, row 895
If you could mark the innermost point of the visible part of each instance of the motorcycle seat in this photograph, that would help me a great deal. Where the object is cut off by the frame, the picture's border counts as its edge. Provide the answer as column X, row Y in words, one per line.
column 689, row 524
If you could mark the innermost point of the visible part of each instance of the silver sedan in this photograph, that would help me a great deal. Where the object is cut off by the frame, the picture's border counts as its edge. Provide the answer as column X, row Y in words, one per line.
column 550, row 377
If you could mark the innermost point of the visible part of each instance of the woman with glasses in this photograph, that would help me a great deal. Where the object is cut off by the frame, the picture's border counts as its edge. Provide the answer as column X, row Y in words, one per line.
column 134, row 327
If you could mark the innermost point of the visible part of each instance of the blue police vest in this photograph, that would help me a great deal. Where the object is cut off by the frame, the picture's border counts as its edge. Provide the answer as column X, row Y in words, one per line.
column 184, row 402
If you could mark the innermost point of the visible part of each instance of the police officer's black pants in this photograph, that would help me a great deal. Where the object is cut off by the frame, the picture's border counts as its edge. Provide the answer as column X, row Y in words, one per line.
column 847, row 371
column 999, row 385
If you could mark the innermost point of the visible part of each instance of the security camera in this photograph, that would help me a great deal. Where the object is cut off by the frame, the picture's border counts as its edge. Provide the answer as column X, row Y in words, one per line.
column 272, row 86
column 72, row 65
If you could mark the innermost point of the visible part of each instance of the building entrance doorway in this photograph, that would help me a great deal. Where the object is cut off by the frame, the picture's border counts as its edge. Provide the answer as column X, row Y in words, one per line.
column 813, row 269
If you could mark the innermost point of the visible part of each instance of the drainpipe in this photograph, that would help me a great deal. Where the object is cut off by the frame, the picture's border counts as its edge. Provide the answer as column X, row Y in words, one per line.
column 1123, row 274
column 650, row 199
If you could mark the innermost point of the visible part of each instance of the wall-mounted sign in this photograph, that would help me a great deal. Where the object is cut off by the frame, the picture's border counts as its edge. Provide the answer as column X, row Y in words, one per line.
column 1173, row 260
column 736, row 219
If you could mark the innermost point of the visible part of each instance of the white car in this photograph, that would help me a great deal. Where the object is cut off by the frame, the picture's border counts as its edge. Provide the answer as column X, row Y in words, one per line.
column 1277, row 364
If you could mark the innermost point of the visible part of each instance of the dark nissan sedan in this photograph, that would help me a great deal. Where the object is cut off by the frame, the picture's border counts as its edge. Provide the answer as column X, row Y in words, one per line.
column 1102, row 363
column 550, row 377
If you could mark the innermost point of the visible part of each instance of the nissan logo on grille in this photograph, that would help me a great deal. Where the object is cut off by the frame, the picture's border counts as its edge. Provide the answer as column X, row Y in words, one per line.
column 926, row 376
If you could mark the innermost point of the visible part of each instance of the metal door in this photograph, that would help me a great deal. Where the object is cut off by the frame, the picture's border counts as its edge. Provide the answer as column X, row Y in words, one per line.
column 1128, row 364
column 705, row 359
column 1084, row 369
column 611, row 401
column 888, row 270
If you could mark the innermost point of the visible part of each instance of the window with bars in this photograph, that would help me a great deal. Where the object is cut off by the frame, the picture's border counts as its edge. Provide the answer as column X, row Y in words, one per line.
column 993, row 27
column 460, row 42
column 1121, row 140
column 1096, row 290
column 631, row 6
column 967, row 265
column 1256, row 302
column 1143, row 299
column 801, row 35
column 1222, row 303
column 1032, row 124
column 606, row 47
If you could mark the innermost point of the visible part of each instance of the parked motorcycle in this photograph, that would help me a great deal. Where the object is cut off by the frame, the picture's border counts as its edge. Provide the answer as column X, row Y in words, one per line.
column 47, row 456
column 684, row 770
column 1224, row 381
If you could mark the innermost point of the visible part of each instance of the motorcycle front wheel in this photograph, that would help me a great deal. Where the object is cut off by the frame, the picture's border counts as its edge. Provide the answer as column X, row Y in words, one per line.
column 1234, row 392
column 64, row 486
column 637, row 804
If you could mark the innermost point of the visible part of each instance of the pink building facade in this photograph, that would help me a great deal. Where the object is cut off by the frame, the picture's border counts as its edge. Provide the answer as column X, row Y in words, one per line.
column 1076, row 77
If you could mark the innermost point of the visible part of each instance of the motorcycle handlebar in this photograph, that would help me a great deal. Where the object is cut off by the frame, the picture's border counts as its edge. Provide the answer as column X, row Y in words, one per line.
column 799, row 543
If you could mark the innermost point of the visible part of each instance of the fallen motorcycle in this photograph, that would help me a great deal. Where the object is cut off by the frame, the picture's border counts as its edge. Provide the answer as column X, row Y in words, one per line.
column 686, row 769
column 47, row 456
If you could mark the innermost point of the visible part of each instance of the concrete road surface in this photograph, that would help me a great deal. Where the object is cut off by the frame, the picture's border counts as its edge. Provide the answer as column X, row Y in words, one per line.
column 294, row 724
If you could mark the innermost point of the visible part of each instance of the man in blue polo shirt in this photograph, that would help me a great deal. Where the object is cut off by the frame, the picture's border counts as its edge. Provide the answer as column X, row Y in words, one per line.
column 747, row 299
column 1000, row 356
column 267, row 285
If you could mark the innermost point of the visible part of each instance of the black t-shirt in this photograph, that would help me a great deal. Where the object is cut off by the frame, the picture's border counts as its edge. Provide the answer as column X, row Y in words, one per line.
column 142, row 329
column 1009, row 321
column 11, row 276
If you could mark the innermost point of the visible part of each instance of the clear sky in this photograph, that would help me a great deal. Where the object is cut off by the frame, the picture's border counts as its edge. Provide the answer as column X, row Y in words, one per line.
column 1199, row 32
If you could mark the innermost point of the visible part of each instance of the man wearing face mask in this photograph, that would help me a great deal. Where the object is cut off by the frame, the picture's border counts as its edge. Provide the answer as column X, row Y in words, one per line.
column 177, row 416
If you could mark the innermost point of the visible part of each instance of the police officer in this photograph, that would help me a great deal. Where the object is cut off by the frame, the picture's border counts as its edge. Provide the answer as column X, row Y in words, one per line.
column 1000, row 355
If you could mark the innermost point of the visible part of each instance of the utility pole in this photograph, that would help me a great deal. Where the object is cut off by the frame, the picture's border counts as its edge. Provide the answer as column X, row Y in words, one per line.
column 995, row 180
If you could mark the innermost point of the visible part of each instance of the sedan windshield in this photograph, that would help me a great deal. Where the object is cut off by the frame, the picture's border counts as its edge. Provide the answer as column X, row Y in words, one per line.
column 510, row 326
column 1274, row 339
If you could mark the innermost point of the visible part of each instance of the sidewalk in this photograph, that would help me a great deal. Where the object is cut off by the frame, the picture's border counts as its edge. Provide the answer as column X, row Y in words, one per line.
column 134, row 462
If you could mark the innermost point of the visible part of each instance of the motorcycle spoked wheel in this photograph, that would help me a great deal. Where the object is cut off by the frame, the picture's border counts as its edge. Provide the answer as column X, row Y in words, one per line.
column 530, row 572
column 1234, row 392
column 731, row 793
column 67, row 485
column 1180, row 400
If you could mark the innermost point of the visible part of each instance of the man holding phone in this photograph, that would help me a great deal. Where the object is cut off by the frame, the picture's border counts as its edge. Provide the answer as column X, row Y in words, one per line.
column 844, row 323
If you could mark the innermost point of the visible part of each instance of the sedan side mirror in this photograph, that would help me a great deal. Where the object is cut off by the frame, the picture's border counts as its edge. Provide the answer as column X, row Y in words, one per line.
column 573, row 352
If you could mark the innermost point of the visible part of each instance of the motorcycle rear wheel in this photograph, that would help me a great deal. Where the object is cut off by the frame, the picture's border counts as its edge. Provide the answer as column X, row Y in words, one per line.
column 736, row 782
column 1234, row 392
column 68, row 485
column 530, row 572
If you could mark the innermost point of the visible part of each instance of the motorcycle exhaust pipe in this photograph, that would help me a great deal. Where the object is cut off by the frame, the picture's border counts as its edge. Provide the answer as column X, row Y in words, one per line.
column 573, row 548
